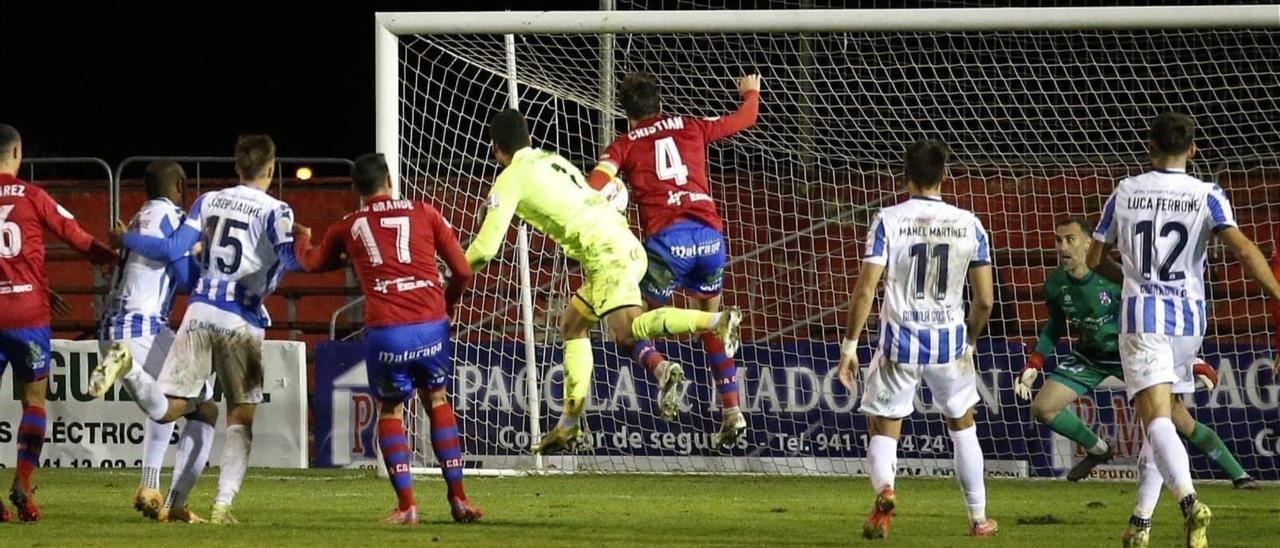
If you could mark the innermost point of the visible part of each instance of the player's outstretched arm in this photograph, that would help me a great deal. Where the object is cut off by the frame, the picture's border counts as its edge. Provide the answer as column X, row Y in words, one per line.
column 166, row 249
column 62, row 224
column 982, row 296
column 327, row 257
column 744, row 117
column 864, row 294
column 1255, row 264
column 503, row 199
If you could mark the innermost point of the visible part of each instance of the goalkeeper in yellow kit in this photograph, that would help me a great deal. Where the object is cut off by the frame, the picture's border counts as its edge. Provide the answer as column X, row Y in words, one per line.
column 552, row 195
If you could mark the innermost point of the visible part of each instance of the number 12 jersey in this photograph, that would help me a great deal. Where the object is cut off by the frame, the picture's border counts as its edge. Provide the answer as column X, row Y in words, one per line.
column 1161, row 222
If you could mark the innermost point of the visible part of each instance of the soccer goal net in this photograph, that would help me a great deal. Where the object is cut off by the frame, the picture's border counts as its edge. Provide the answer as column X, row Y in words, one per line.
column 1044, row 109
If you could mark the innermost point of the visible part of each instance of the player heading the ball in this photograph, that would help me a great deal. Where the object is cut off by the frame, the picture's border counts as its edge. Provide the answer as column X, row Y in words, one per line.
column 551, row 194
column 394, row 245
column 1161, row 221
column 664, row 158
column 925, row 249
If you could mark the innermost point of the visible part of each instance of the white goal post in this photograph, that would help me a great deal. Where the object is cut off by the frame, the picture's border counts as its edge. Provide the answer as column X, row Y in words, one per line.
column 797, row 186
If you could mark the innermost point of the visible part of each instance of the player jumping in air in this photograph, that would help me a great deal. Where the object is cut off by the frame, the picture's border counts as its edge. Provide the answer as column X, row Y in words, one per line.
column 26, row 211
column 1090, row 305
column 393, row 245
column 552, row 195
column 664, row 158
column 1161, row 221
column 247, row 239
column 136, row 327
column 925, row 249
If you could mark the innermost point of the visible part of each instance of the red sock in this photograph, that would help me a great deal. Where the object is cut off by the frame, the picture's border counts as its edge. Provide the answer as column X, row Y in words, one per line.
column 396, row 455
column 725, row 371
column 448, row 448
column 30, row 442
column 647, row 356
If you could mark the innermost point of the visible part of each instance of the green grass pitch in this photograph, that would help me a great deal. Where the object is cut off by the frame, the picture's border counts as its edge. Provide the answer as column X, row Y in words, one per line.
column 343, row 507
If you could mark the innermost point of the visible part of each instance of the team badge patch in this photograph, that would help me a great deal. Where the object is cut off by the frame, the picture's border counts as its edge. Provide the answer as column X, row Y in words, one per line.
column 1104, row 297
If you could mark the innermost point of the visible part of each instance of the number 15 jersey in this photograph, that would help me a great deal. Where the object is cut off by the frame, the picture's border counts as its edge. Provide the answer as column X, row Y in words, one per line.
column 1161, row 222
column 927, row 248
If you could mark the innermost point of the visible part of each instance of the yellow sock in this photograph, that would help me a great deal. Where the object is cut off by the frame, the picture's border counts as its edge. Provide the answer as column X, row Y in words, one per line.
column 578, row 365
column 665, row 322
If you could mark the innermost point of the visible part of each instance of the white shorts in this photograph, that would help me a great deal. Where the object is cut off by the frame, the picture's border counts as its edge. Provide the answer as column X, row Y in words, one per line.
column 148, row 352
column 890, row 388
column 1150, row 359
column 212, row 340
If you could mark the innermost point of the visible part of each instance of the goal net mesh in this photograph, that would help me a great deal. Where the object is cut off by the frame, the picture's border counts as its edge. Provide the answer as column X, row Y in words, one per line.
column 1042, row 124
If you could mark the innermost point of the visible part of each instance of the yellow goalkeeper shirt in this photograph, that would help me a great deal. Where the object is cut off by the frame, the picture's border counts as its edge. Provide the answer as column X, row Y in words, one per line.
column 550, row 193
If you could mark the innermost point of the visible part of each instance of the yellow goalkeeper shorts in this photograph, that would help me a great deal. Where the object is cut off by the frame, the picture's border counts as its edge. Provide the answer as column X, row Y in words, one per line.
column 612, row 272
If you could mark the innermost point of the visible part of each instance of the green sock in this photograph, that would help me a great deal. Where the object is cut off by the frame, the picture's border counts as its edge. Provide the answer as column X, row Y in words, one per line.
column 1209, row 442
column 665, row 322
column 1072, row 428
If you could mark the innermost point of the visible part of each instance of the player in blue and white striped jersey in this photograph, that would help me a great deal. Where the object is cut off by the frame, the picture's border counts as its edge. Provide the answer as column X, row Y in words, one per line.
column 247, row 239
column 925, row 249
column 137, row 321
column 1161, row 221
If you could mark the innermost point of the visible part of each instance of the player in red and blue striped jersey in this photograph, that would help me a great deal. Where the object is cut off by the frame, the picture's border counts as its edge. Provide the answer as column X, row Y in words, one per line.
column 393, row 245
column 664, row 158
column 26, row 211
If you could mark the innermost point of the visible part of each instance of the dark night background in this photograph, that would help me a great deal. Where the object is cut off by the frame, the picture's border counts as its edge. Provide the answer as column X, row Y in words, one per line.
column 114, row 78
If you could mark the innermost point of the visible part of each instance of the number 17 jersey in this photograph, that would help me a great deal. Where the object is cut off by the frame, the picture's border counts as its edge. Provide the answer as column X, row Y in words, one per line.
column 927, row 248
column 1161, row 222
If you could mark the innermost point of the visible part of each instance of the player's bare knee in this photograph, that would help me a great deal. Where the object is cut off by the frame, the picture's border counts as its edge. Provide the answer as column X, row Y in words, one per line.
column 33, row 393
column 205, row 412
column 437, row 397
column 883, row 426
column 241, row 414
column 962, row 422
column 388, row 409
column 1042, row 411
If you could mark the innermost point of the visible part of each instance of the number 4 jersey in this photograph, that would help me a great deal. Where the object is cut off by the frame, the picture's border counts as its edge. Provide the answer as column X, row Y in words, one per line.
column 927, row 248
column 1161, row 222
column 393, row 245
column 664, row 159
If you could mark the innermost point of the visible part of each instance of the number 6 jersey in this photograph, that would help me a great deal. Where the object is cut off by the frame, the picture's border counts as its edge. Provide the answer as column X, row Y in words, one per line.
column 1161, row 222
column 927, row 248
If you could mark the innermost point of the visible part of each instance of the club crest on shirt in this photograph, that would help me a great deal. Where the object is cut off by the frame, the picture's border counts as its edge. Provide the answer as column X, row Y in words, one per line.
column 1066, row 299
column 1104, row 297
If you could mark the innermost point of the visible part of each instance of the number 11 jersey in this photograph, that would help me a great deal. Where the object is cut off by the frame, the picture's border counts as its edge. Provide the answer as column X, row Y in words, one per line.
column 927, row 248
column 1161, row 222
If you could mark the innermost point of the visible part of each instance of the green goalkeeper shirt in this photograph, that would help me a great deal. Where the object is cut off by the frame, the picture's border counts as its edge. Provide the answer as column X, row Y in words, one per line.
column 1091, row 306
column 550, row 193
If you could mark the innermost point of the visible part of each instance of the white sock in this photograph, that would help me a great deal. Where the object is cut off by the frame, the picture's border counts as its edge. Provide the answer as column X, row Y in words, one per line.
column 1098, row 448
column 882, row 462
column 969, row 464
column 235, row 459
column 1171, row 457
column 1149, row 483
column 193, row 455
column 155, row 442
column 146, row 392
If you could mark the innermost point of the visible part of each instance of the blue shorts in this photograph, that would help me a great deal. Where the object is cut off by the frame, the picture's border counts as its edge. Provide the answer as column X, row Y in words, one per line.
column 686, row 254
column 28, row 350
column 402, row 358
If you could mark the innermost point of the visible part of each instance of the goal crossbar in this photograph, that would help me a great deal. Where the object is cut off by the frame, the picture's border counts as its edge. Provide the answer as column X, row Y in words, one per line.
column 792, row 21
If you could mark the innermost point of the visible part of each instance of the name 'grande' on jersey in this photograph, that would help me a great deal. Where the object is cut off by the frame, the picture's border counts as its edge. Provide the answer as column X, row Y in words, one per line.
column 664, row 160
column 240, row 228
column 927, row 248
column 393, row 245
column 1161, row 222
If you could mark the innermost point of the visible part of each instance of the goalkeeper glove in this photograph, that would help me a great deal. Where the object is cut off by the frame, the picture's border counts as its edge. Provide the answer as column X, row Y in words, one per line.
column 1027, row 377
column 1206, row 376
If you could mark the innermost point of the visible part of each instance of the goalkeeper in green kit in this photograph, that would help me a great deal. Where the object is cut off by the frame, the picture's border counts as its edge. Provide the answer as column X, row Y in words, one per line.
column 1090, row 305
